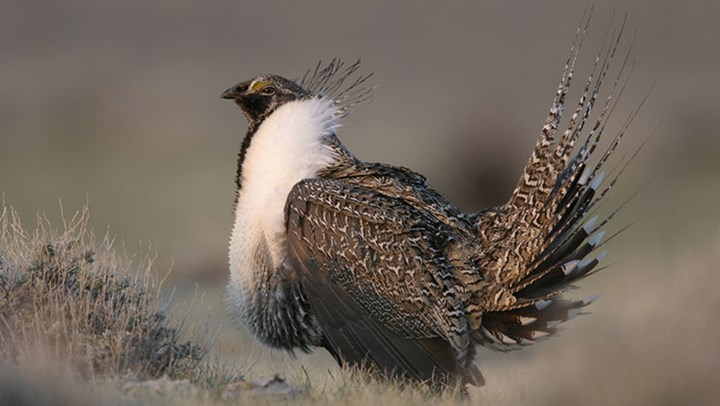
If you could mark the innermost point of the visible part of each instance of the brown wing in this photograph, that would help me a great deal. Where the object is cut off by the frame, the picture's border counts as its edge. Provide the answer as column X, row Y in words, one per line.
column 374, row 270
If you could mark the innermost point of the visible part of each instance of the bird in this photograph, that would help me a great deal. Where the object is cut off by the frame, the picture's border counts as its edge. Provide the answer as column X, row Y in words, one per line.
column 370, row 262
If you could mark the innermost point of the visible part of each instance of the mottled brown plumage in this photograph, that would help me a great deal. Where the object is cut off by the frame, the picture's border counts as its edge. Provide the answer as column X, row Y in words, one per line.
column 376, row 266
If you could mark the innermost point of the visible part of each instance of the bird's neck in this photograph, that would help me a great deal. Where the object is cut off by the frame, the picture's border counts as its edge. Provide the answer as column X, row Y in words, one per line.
column 297, row 139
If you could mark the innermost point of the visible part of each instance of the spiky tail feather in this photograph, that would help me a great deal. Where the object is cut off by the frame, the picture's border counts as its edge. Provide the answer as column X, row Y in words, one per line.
column 514, row 329
column 540, row 242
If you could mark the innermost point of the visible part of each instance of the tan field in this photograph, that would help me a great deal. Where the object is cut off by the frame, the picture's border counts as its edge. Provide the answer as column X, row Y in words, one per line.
column 116, row 107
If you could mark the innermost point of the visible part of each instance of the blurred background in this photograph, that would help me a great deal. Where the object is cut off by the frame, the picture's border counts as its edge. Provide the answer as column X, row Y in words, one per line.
column 117, row 103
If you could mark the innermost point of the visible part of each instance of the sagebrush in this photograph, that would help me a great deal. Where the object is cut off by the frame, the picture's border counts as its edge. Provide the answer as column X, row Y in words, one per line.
column 68, row 298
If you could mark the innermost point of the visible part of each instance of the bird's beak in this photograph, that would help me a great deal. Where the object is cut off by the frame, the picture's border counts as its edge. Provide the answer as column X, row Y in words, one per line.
column 230, row 93
column 236, row 92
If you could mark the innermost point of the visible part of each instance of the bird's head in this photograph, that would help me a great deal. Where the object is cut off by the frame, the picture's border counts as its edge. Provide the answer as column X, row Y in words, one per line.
column 261, row 96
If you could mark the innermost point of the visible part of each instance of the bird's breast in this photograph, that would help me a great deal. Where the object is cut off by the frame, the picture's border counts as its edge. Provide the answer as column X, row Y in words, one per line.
column 286, row 148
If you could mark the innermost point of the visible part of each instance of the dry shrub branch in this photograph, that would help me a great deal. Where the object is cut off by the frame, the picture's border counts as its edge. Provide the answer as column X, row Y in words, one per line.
column 67, row 298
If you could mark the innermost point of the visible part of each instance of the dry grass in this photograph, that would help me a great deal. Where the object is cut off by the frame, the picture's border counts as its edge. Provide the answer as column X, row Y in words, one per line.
column 82, row 324
column 73, row 306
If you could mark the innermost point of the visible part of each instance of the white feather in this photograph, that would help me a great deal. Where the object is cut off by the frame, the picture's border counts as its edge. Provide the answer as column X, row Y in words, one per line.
column 590, row 225
column 287, row 148
column 597, row 238
column 596, row 184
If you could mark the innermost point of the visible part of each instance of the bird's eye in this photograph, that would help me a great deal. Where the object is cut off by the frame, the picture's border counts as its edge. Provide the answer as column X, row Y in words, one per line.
column 268, row 90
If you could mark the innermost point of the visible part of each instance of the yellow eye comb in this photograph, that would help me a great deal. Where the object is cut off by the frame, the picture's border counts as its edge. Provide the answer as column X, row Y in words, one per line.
column 259, row 85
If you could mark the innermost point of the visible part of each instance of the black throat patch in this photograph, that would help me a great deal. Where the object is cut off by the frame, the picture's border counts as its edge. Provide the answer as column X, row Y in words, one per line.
column 252, row 129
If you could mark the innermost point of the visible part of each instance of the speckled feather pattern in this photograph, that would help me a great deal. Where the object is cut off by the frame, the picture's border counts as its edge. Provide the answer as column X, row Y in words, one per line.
column 370, row 262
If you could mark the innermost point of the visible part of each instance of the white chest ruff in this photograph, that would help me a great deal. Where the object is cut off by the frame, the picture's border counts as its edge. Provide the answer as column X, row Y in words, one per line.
column 287, row 148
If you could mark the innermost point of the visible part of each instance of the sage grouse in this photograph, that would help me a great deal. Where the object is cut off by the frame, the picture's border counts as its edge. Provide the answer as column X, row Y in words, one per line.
column 370, row 262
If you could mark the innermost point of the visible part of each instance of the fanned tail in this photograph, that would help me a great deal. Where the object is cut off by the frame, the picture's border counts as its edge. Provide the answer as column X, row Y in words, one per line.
column 541, row 241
